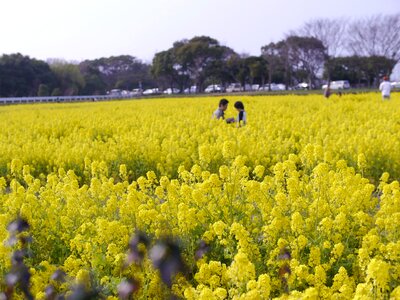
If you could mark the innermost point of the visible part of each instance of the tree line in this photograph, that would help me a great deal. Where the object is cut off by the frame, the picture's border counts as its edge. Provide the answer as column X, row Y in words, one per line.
column 24, row 76
column 360, row 51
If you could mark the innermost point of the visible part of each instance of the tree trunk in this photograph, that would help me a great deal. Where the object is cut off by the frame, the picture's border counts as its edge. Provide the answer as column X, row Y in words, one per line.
column 269, row 79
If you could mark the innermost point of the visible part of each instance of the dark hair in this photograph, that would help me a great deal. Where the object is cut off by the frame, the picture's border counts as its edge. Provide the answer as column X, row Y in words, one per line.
column 239, row 105
column 223, row 102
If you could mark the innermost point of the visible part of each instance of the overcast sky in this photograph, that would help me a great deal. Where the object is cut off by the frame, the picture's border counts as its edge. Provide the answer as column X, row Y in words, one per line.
column 88, row 29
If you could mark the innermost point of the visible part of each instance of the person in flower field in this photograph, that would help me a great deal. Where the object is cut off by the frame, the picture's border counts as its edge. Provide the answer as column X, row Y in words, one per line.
column 384, row 87
column 219, row 113
column 242, row 116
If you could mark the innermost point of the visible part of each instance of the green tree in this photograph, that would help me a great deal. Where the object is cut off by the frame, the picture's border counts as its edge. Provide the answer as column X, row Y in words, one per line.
column 21, row 75
column 43, row 90
column 167, row 72
column 198, row 58
column 238, row 69
column 307, row 56
column 359, row 70
column 56, row 92
column 124, row 72
column 94, row 82
column 276, row 56
column 69, row 76
column 257, row 69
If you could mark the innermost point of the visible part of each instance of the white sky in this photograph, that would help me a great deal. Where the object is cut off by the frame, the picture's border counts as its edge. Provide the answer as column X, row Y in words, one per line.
column 88, row 29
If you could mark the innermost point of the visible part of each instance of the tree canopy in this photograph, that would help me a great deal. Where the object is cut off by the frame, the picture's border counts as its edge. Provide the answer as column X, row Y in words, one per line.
column 361, row 51
column 21, row 75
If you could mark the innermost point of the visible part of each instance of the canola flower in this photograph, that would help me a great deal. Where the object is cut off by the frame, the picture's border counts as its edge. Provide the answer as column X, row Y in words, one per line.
column 301, row 203
column 161, row 135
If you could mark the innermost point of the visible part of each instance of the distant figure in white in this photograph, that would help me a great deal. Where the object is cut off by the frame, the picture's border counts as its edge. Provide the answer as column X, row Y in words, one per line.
column 385, row 88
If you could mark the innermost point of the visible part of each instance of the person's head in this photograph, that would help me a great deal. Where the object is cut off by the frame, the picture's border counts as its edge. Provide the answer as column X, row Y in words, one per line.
column 385, row 78
column 223, row 104
column 239, row 105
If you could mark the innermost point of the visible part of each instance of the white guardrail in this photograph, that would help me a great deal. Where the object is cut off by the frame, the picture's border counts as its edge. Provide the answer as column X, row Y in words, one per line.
column 61, row 99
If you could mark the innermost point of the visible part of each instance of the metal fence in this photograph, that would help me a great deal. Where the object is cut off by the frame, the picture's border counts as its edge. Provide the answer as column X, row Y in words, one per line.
column 61, row 99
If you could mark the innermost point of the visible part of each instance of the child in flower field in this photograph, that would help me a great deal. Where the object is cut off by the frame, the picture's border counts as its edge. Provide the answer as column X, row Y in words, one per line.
column 242, row 116
column 220, row 112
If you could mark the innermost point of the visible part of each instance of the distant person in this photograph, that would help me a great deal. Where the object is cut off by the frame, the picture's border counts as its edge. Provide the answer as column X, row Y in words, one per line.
column 242, row 116
column 327, row 91
column 220, row 111
column 384, row 87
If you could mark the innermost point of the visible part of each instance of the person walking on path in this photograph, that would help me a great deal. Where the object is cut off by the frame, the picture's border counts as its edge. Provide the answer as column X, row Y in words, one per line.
column 384, row 87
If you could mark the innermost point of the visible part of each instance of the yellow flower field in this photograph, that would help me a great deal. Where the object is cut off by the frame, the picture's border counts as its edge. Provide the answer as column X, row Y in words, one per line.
column 301, row 203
